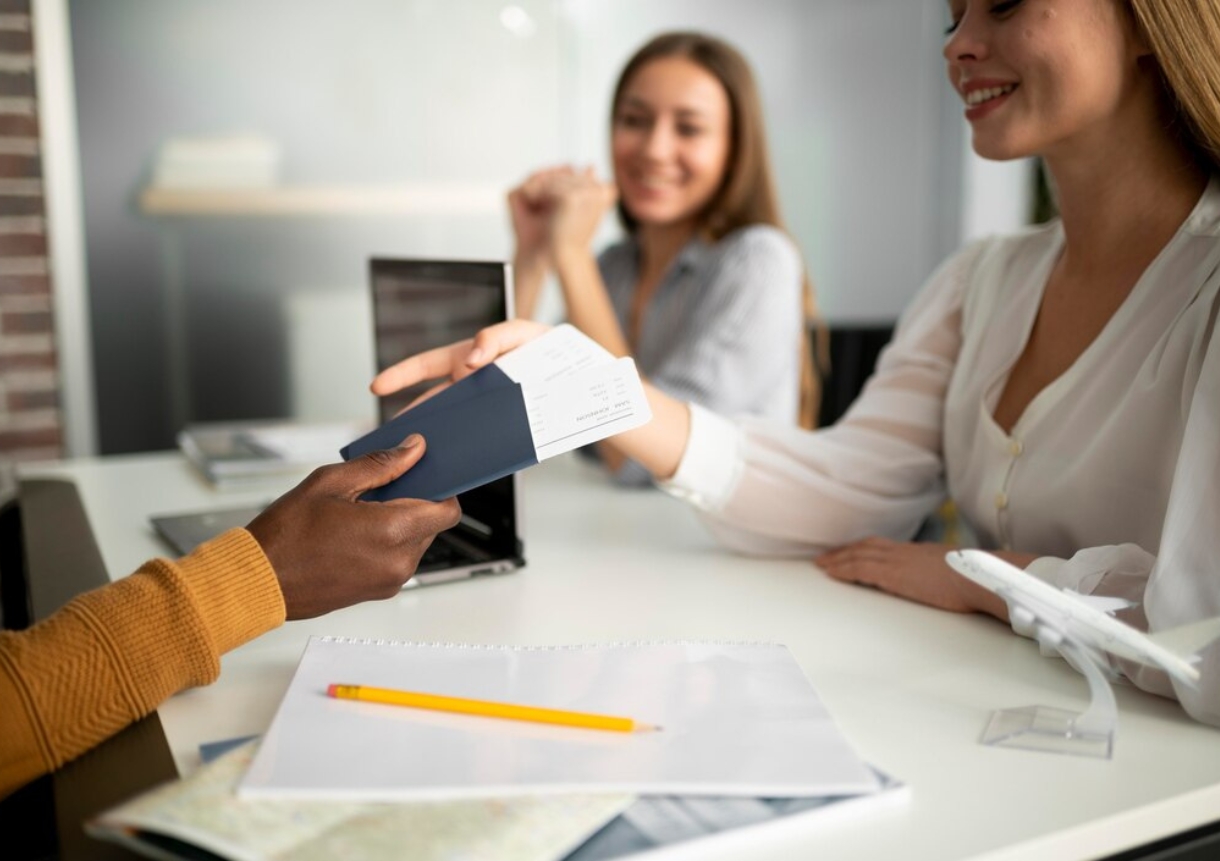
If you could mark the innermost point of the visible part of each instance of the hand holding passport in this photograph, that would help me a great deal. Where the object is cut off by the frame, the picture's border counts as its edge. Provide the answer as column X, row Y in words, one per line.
column 554, row 394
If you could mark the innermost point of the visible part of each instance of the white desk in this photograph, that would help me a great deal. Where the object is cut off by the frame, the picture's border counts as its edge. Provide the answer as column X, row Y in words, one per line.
column 910, row 686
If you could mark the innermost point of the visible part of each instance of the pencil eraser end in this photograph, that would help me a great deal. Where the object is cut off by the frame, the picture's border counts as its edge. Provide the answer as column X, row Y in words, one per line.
column 332, row 690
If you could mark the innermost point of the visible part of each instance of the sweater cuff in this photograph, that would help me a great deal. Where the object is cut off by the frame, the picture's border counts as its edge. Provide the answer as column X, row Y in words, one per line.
column 234, row 588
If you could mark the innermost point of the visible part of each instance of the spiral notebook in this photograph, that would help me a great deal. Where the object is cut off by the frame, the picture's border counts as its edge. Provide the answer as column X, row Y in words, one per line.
column 739, row 719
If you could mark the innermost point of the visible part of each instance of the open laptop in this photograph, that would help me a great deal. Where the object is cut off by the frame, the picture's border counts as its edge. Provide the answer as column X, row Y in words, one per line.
column 418, row 305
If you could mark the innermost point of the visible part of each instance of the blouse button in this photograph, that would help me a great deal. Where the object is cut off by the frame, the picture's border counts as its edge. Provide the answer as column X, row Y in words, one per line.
column 1001, row 501
column 1015, row 447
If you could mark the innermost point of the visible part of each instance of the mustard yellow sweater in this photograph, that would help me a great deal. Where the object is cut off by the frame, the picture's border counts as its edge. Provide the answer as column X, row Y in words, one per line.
column 111, row 656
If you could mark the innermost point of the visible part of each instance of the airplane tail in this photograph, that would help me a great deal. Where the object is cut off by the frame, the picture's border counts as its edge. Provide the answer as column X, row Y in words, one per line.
column 1187, row 640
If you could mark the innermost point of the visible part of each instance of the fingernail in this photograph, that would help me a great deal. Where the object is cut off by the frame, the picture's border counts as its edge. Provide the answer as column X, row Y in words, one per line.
column 476, row 355
column 412, row 441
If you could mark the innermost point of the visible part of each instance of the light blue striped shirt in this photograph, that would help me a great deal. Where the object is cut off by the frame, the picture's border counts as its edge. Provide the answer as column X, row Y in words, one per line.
column 724, row 328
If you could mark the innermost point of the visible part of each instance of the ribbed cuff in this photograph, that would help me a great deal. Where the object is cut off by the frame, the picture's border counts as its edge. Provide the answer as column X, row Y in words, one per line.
column 234, row 588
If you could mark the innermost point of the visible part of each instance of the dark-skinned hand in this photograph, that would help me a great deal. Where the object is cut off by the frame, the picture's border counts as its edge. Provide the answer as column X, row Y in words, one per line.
column 331, row 550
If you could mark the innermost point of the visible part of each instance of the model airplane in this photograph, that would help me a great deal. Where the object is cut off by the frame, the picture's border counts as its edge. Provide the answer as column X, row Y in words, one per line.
column 1060, row 616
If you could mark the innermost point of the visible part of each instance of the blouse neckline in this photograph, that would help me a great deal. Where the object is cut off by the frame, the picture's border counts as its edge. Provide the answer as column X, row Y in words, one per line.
column 1201, row 217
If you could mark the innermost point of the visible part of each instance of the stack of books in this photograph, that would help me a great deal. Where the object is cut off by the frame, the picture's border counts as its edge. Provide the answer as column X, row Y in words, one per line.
column 237, row 452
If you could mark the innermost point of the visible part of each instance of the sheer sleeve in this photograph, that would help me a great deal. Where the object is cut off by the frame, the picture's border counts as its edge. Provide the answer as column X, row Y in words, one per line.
column 767, row 488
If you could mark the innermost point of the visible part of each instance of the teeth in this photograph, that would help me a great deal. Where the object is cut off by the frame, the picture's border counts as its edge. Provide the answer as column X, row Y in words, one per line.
column 977, row 97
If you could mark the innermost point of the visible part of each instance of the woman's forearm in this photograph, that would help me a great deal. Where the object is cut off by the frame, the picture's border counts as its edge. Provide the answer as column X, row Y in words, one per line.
column 529, row 274
column 659, row 445
column 587, row 301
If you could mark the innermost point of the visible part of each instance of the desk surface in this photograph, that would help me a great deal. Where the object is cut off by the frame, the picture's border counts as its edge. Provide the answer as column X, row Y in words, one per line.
column 910, row 686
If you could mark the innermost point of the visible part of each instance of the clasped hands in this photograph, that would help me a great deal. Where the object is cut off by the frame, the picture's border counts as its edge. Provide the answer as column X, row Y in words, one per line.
column 557, row 210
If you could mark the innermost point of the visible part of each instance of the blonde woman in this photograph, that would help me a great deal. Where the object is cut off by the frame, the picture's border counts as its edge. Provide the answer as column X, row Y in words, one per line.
column 707, row 290
column 1062, row 385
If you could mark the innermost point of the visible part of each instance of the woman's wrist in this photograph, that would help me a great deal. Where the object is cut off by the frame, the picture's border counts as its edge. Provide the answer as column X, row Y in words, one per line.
column 530, row 262
column 568, row 256
column 983, row 600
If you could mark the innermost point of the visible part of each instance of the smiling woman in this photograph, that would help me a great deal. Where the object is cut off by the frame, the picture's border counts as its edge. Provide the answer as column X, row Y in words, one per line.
column 1061, row 384
column 708, row 292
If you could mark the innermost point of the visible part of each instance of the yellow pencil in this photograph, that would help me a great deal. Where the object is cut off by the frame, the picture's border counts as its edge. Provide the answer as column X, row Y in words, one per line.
column 483, row 708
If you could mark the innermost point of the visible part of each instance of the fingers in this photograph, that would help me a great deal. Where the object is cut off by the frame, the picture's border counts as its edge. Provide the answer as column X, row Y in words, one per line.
column 547, row 187
column 349, row 480
column 459, row 360
column 420, row 519
column 430, row 365
column 541, row 184
column 495, row 341
column 857, row 551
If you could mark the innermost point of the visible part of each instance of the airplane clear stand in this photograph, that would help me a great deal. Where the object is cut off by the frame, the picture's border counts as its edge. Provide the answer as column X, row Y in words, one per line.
column 1087, row 733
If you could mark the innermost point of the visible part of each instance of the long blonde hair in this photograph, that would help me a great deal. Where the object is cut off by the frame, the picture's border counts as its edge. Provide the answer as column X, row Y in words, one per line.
column 747, row 193
column 1183, row 36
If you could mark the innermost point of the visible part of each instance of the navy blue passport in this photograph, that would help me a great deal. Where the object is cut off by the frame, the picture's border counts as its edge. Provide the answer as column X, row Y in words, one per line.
column 477, row 430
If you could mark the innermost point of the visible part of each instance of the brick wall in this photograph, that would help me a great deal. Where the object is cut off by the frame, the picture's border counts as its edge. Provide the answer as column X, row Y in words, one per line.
column 30, row 415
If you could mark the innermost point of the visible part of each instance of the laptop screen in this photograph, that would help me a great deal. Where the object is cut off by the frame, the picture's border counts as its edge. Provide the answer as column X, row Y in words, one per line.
column 421, row 304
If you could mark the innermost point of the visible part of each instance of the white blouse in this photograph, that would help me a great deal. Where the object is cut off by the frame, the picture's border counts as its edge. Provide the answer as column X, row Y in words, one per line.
column 1111, row 475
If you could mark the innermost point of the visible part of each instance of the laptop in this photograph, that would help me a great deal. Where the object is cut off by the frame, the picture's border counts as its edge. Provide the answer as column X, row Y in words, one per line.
column 417, row 305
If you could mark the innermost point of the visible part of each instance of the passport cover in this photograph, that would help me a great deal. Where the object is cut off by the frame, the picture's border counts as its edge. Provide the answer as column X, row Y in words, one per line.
column 477, row 430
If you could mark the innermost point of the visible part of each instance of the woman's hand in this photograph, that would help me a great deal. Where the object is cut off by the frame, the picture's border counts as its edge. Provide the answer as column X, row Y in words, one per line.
column 531, row 206
column 580, row 201
column 461, row 359
column 658, row 445
column 916, row 571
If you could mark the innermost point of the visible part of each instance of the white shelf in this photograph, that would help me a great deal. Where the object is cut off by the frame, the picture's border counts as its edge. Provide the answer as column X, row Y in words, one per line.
column 355, row 200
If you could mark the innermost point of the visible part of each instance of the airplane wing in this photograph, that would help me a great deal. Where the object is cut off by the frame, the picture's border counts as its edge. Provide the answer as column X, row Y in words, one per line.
column 1105, row 603
column 1059, row 615
column 1187, row 640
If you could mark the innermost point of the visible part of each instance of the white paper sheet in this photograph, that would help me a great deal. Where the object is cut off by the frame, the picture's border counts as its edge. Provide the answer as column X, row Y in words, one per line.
column 739, row 719
column 590, row 405
column 561, row 352
column 576, row 392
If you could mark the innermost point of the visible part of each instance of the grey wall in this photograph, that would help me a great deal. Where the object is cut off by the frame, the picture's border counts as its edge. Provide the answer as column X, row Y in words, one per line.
column 866, row 136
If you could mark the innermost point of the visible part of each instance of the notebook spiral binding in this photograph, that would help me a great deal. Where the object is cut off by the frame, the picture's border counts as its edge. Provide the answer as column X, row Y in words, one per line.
column 575, row 647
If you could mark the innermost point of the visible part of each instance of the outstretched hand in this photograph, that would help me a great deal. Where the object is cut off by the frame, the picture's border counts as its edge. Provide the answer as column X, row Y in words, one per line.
column 330, row 550
column 455, row 361
column 916, row 571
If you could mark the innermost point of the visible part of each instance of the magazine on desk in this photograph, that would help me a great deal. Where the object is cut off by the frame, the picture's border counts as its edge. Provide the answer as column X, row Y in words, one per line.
column 200, row 818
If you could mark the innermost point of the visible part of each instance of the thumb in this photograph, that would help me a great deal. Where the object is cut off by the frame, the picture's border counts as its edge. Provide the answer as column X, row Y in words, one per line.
column 379, row 467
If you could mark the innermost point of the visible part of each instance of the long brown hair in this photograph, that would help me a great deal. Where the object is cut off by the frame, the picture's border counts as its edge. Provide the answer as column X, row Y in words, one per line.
column 747, row 193
column 1183, row 35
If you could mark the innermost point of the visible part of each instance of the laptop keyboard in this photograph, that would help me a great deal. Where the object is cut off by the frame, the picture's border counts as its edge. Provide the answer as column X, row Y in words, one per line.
column 440, row 554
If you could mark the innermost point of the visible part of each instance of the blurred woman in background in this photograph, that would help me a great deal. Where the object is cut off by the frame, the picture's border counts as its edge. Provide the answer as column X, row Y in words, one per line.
column 706, row 290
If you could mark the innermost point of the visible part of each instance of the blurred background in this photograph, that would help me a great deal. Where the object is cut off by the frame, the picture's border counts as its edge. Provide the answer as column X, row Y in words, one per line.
column 240, row 161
